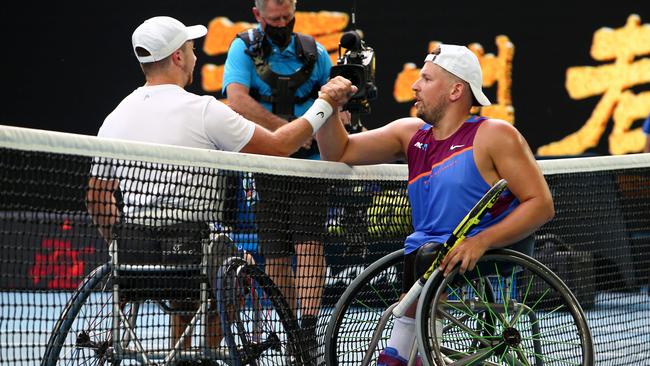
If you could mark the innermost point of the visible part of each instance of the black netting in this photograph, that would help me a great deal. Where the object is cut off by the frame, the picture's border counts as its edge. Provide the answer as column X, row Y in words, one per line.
column 207, row 246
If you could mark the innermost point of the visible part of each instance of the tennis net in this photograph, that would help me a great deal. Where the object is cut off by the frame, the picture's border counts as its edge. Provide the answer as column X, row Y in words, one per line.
column 161, row 226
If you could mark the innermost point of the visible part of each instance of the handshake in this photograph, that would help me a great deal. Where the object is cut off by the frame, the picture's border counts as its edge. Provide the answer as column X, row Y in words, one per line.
column 338, row 91
column 332, row 97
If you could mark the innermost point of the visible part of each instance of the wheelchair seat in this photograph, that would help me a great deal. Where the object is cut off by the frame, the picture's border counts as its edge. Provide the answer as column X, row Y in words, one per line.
column 167, row 263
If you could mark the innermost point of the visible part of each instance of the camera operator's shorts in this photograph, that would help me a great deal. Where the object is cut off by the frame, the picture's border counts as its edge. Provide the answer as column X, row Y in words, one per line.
column 413, row 270
column 291, row 210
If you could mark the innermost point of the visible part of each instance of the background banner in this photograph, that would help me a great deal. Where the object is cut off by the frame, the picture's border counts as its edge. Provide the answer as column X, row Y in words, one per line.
column 553, row 71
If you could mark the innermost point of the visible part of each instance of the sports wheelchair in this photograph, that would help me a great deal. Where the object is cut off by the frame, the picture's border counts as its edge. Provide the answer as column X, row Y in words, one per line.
column 120, row 313
column 510, row 310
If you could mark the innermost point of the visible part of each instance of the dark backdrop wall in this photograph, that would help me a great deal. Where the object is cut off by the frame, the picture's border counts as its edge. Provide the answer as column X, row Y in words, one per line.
column 65, row 67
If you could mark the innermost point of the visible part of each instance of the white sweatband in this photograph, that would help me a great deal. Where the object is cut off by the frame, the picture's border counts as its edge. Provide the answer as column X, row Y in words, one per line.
column 318, row 113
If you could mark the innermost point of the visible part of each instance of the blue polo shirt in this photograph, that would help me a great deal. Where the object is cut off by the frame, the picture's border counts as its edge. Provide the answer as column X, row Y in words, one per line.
column 240, row 69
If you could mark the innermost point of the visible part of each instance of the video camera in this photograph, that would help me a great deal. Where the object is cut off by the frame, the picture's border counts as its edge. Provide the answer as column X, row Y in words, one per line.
column 358, row 66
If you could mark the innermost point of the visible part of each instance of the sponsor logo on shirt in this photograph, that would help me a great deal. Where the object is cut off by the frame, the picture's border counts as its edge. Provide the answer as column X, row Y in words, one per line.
column 421, row 146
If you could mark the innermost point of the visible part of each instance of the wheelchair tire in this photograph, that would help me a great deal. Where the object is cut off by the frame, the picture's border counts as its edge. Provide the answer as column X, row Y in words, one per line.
column 262, row 329
column 501, row 324
column 62, row 345
column 357, row 312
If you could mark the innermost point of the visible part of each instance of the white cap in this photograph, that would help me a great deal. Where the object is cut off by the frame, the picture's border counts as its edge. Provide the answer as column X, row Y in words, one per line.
column 161, row 36
column 460, row 61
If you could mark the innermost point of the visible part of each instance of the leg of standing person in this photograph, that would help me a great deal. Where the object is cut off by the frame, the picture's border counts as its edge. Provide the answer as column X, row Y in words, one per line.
column 309, row 223
column 275, row 244
column 291, row 224
column 279, row 270
column 310, row 276
column 310, row 282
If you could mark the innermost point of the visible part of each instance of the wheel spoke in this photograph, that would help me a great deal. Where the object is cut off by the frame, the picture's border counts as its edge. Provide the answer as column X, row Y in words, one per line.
column 511, row 327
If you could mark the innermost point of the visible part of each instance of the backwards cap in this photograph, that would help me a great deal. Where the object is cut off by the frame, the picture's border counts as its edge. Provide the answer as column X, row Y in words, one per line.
column 161, row 36
column 460, row 61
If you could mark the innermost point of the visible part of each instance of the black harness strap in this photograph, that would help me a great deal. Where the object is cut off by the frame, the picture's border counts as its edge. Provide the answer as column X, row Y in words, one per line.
column 283, row 87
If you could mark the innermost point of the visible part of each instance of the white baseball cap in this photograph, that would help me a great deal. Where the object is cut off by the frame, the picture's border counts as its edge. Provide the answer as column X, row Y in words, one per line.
column 460, row 61
column 161, row 36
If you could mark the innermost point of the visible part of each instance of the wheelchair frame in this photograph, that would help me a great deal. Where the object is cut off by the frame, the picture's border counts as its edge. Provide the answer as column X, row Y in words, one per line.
column 496, row 320
column 120, row 344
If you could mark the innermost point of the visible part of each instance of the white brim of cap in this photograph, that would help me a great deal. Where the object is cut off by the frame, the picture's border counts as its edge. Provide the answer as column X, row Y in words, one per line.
column 196, row 31
column 480, row 97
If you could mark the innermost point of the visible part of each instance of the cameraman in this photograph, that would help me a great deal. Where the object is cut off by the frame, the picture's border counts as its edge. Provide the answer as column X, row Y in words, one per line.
column 271, row 75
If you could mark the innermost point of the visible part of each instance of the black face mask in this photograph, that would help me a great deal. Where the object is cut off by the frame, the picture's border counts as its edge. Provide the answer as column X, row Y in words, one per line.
column 281, row 36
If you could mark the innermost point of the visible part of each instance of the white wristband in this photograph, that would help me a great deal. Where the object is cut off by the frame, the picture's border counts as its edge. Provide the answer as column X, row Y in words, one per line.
column 318, row 114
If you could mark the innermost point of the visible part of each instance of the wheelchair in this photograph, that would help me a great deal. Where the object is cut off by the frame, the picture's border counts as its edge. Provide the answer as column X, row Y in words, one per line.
column 510, row 310
column 120, row 313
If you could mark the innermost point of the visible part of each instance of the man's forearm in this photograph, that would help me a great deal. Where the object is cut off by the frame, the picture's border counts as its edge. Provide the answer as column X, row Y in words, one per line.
column 104, row 216
column 102, row 206
column 254, row 111
column 332, row 139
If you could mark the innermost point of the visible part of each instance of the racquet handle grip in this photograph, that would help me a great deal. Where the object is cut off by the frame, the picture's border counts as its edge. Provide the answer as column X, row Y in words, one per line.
column 407, row 300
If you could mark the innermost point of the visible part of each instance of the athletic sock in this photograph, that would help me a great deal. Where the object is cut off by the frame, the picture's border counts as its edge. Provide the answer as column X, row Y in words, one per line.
column 402, row 337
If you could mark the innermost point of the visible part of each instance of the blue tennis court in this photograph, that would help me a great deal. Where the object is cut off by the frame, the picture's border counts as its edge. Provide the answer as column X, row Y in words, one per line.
column 26, row 320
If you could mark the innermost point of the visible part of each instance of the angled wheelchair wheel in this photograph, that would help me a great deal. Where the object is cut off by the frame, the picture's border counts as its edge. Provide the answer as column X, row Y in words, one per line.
column 358, row 311
column 510, row 310
column 262, row 329
column 82, row 334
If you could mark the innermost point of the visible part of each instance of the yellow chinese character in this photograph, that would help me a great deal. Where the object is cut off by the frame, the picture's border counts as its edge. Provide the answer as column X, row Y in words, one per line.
column 620, row 46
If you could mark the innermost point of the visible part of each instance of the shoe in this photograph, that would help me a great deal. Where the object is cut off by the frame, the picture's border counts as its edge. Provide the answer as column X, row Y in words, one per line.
column 310, row 346
column 310, row 357
column 390, row 357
